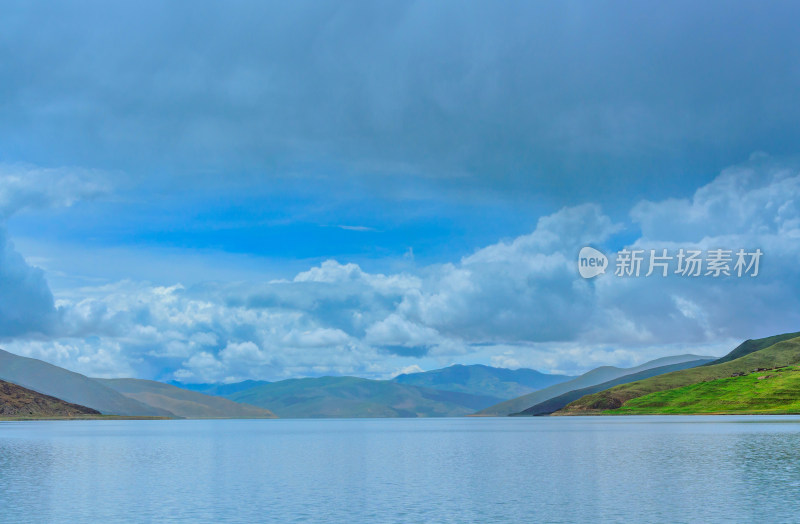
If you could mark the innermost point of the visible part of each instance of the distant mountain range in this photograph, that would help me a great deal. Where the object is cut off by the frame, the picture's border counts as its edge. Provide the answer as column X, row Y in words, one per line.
column 220, row 389
column 352, row 397
column 757, row 376
column 452, row 391
column 482, row 380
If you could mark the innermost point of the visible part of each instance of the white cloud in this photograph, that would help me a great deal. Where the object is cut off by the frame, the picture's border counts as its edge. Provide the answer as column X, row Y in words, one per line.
column 516, row 303
column 315, row 338
column 396, row 330
column 407, row 370
column 27, row 186
column 92, row 357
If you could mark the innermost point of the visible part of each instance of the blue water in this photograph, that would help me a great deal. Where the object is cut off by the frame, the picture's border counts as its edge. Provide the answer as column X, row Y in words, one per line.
column 576, row 469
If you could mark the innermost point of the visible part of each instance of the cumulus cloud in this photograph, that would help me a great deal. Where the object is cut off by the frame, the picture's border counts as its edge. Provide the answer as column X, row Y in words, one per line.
column 522, row 290
column 27, row 307
column 26, row 303
column 518, row 302
column 750, row 201
column 752, row 206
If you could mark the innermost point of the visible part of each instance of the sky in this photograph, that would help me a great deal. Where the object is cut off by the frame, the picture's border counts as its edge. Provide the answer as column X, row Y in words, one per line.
column 265, row 190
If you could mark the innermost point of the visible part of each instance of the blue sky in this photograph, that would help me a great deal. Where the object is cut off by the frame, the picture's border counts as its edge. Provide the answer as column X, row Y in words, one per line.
column 264, row 190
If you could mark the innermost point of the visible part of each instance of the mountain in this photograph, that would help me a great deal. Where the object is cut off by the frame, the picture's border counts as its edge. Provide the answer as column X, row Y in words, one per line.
column 554, row 404
column 220, row 389
column 590, row 378
column 782, row 354
column 182, row 402
column 751, row 346
column 501, row 383
column 71, row 387
column 352, row 397
column 17, row 401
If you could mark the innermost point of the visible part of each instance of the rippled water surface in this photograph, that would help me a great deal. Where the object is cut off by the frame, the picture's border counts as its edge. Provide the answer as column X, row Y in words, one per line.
column 551, row 469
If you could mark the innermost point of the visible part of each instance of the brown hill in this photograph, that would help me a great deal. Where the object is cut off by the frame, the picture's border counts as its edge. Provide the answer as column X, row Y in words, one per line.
column 182, row 402
column 16, row 401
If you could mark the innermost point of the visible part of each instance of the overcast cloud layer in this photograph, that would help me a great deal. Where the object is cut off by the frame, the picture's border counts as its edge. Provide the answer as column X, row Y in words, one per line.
column 540, row 97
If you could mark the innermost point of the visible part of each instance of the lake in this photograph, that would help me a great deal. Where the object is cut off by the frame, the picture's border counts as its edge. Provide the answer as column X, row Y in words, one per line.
column 548, row 469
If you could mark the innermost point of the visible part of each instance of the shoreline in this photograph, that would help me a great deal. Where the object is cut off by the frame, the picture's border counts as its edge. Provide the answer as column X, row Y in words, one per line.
column 85, row 417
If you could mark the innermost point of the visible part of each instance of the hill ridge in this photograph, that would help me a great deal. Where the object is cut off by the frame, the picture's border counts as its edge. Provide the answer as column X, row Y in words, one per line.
column 592, row 377
column 183, row 402
column 18, row 401
column 49, row 379
column 781, row 354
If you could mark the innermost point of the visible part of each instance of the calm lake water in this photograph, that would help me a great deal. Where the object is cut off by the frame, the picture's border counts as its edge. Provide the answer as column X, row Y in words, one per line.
column 593, row 469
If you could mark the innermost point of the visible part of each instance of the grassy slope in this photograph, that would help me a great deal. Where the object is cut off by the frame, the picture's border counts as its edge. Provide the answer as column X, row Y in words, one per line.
column 19, row 402
column 503, row 384
column 774, row 391
column 182, row 402
column 591, row 378
column 751, row 346
column 554, row 404
column 339, row 397
column 782, row 354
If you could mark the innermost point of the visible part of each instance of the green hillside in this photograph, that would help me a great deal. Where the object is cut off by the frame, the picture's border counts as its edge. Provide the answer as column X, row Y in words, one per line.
column 774, row 391
column 351, row 397
column 182, row 402
column 751, row 346
column 501, row 383
column 590, row 378
column 782, row 354
column 554, row 404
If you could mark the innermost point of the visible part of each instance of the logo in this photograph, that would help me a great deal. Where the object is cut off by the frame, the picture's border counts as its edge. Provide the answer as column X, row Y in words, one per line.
column 591, row 262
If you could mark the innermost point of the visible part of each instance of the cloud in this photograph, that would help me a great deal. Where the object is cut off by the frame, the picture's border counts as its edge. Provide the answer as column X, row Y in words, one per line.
column 395, row 330
column 92, row 357
column 26, row 303
column 751, row 206
column 408, row 370
column 24, row 186
column 521, row 290
column 518, row 302
column 369, row 105
column 357, row 228
column 27, row 307
column 753, row 201
column 531, row 98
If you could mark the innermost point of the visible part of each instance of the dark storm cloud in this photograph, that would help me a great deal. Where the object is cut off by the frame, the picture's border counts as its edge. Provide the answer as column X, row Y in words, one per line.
column 26, row 303
column 553, row 98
